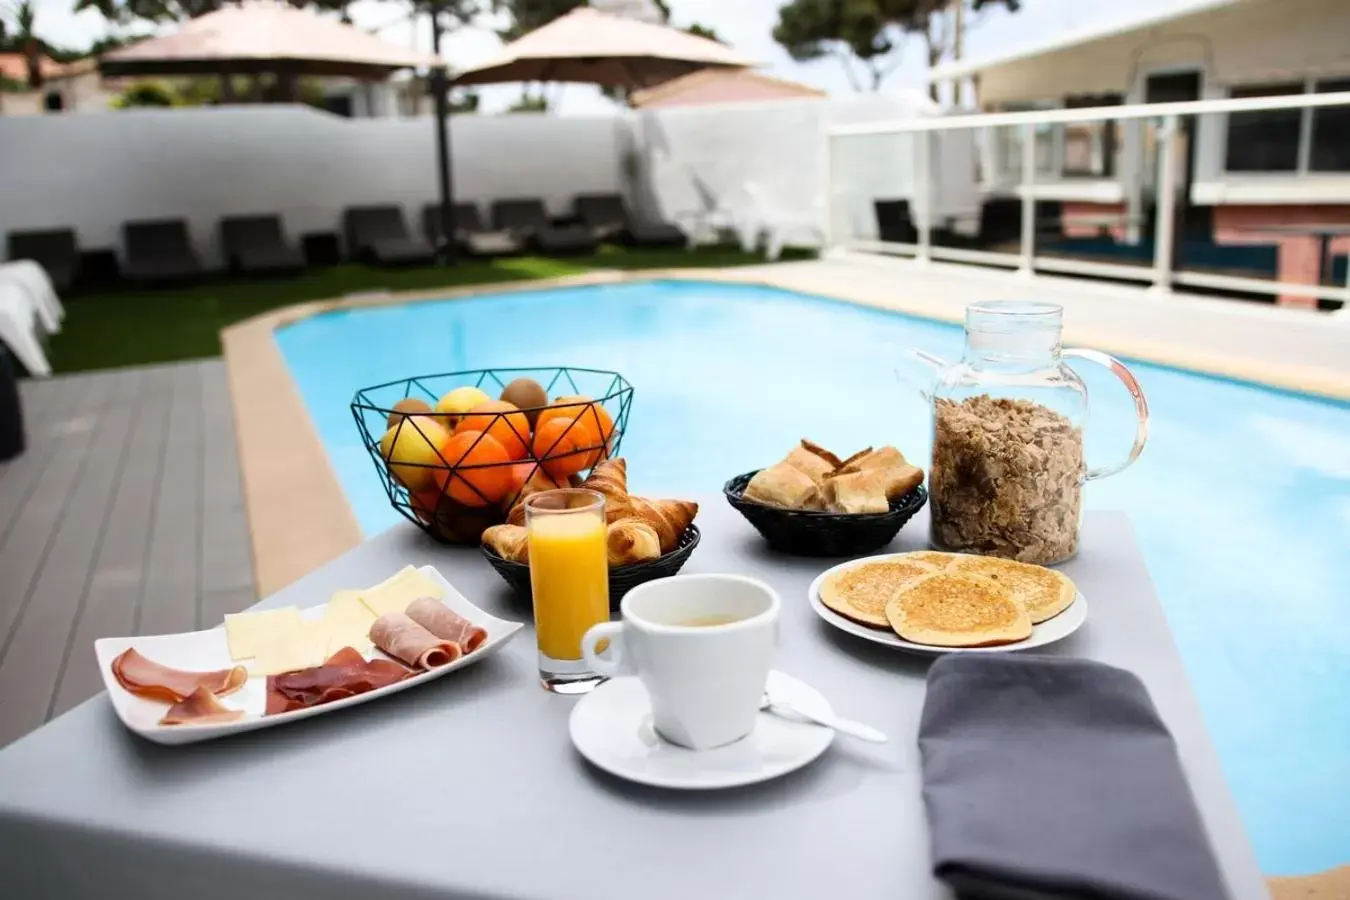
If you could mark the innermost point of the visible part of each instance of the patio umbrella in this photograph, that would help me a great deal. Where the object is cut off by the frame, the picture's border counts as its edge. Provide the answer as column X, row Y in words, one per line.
column 589, row 46
column 260, row 36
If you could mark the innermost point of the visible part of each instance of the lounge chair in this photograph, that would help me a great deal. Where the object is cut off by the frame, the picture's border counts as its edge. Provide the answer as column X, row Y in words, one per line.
column 19, row 329
column 55, row 250
column 607, row 215
column 471, row 233
column 33, row 280
column 378, row 234
column 159, row 251
column 257, row 245
column 527, row 219
column 895, row 225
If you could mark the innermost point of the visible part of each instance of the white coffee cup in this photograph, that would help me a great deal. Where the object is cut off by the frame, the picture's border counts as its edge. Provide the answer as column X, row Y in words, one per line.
column 702, row 645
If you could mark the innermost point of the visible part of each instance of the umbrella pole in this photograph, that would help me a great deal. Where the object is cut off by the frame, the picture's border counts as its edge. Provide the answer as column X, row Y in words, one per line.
column 438, row 89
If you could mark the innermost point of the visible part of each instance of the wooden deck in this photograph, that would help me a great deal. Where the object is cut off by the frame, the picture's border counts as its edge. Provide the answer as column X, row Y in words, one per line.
column 124, row 516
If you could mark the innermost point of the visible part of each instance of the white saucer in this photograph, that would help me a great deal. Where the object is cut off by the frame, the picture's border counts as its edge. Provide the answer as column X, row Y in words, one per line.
column 612, row 728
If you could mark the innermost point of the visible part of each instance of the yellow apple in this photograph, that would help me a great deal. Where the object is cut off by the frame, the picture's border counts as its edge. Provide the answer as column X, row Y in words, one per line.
column 412, row 448
column 452, row 407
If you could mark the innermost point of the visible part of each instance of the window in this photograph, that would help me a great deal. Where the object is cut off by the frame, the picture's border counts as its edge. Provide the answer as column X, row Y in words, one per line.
column 1090, row 147
column 1264, row 141
column 1330, row 132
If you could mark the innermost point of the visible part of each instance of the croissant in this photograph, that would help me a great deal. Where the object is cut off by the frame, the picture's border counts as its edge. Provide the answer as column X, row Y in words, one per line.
column 631, row 541
column 669, row 518
column 610, row 478
column 509, row 541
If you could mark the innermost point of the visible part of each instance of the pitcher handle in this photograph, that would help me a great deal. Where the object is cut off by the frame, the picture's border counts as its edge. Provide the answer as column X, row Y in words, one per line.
column 1140, row 407
column 937, row 363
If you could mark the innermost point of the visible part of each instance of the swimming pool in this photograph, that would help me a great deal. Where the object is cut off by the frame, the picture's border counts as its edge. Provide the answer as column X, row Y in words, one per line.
column 1241, row 501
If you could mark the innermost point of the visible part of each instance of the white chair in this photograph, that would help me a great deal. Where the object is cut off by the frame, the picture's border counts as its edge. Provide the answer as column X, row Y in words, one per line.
column 779, row 226
column 18, row 329
column 712, row 217
column 32, row 278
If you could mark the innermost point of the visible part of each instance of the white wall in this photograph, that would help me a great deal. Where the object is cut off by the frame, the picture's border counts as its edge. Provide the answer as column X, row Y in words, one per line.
column 94, row 172
column 779, row 147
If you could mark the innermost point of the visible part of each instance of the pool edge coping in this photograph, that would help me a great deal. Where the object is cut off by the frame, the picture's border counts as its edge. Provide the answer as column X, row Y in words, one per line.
column 298, row 513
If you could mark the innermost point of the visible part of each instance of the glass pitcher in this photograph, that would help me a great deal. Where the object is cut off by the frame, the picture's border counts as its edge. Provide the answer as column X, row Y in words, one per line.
column 1008, row 471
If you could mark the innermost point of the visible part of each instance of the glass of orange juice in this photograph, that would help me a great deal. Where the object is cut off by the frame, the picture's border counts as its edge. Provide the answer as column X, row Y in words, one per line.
column 569, row 577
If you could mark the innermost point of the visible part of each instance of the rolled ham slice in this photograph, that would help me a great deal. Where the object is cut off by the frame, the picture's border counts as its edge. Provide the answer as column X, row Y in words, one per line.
column 200, row 708
column 344, row 674
column 147, row 678
column 445, row 623
column 404, row 639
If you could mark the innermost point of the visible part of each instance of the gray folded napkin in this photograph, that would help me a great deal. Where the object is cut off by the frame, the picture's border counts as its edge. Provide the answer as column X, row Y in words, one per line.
column 1051, row 777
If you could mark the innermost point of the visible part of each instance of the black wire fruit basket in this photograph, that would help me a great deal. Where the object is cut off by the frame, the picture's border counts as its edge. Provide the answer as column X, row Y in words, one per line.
column 805, row 532
column 454, row 457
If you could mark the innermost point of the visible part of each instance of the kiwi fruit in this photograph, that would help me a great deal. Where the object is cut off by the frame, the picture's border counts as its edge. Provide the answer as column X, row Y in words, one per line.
column 408, row 406
column 528, row 396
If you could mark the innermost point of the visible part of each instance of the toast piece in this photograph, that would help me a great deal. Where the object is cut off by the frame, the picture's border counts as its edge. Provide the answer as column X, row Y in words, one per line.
column 814, row 448
column 949, row 610
column 1044, row 592
column 815, row 467
column 884, row 458
column 856, row 493
column 783, row 485
column 861, row 592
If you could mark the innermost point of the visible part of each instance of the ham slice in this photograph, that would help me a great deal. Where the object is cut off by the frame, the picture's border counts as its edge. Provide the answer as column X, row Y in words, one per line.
column 147, row 678
column 446, row 624
column 200, row 708
column 344, row 674
column 404, row 639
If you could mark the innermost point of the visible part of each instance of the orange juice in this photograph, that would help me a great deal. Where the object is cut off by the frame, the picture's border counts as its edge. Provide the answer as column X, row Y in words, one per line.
column 569, row 576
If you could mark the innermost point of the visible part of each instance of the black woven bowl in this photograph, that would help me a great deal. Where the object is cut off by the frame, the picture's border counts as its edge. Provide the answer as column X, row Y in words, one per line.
column 622, row 579
column 804, row 532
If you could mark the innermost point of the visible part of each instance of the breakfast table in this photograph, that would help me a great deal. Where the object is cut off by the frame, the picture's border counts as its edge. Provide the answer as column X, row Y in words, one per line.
column 468, row 787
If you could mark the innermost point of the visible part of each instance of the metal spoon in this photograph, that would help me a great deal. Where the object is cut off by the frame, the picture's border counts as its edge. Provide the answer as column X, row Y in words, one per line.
column 843, row 726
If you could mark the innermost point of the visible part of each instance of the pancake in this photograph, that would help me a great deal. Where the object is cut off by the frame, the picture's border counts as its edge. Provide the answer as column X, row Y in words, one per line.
column 1044, row 592
column 934, row 558
column 861, row 592
column 948, row 610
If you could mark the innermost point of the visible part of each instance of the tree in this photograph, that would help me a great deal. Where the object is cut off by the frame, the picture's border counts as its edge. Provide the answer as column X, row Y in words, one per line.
column 871, row 33
column 529, row 105
column 124, row 11
column 24, row 15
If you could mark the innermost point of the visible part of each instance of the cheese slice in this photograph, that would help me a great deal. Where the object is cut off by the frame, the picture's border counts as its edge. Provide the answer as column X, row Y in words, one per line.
column 248, row 631
column 395, row 593
column 298, row 647
column 348, row 621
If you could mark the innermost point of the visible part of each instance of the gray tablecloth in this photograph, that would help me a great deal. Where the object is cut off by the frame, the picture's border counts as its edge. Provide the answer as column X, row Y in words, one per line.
column 468, row 787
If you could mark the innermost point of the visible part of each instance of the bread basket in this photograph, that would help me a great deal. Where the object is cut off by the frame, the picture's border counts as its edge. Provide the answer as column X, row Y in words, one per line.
column 804, row 532
column 622, row 579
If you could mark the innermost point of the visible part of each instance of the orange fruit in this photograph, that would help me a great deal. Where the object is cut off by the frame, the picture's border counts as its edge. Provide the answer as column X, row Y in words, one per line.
column 424, row 503
column 502, row 421
column 560, row 446
column 599, row 430
column 595, row 421
column 477, row 475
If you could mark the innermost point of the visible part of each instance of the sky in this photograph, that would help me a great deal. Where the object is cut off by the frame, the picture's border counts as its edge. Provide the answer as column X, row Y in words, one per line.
column 745, row 24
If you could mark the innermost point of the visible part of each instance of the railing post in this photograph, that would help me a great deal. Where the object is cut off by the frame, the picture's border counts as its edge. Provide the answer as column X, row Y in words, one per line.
column 1028, row 200
column 827, row 195
column 924, row 195
column 1165, row 227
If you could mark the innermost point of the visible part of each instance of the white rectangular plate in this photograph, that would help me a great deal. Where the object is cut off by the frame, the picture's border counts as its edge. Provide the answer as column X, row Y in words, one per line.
column 206, row 651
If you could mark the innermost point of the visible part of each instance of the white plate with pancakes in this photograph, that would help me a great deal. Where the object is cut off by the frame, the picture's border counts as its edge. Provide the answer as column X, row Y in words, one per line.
column 934, row 603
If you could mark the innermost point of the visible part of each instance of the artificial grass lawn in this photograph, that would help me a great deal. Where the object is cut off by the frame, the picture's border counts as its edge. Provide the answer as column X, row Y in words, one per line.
column 128, row 328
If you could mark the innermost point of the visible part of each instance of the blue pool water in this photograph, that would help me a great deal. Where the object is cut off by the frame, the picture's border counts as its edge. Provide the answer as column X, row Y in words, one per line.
column 1241, row 501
